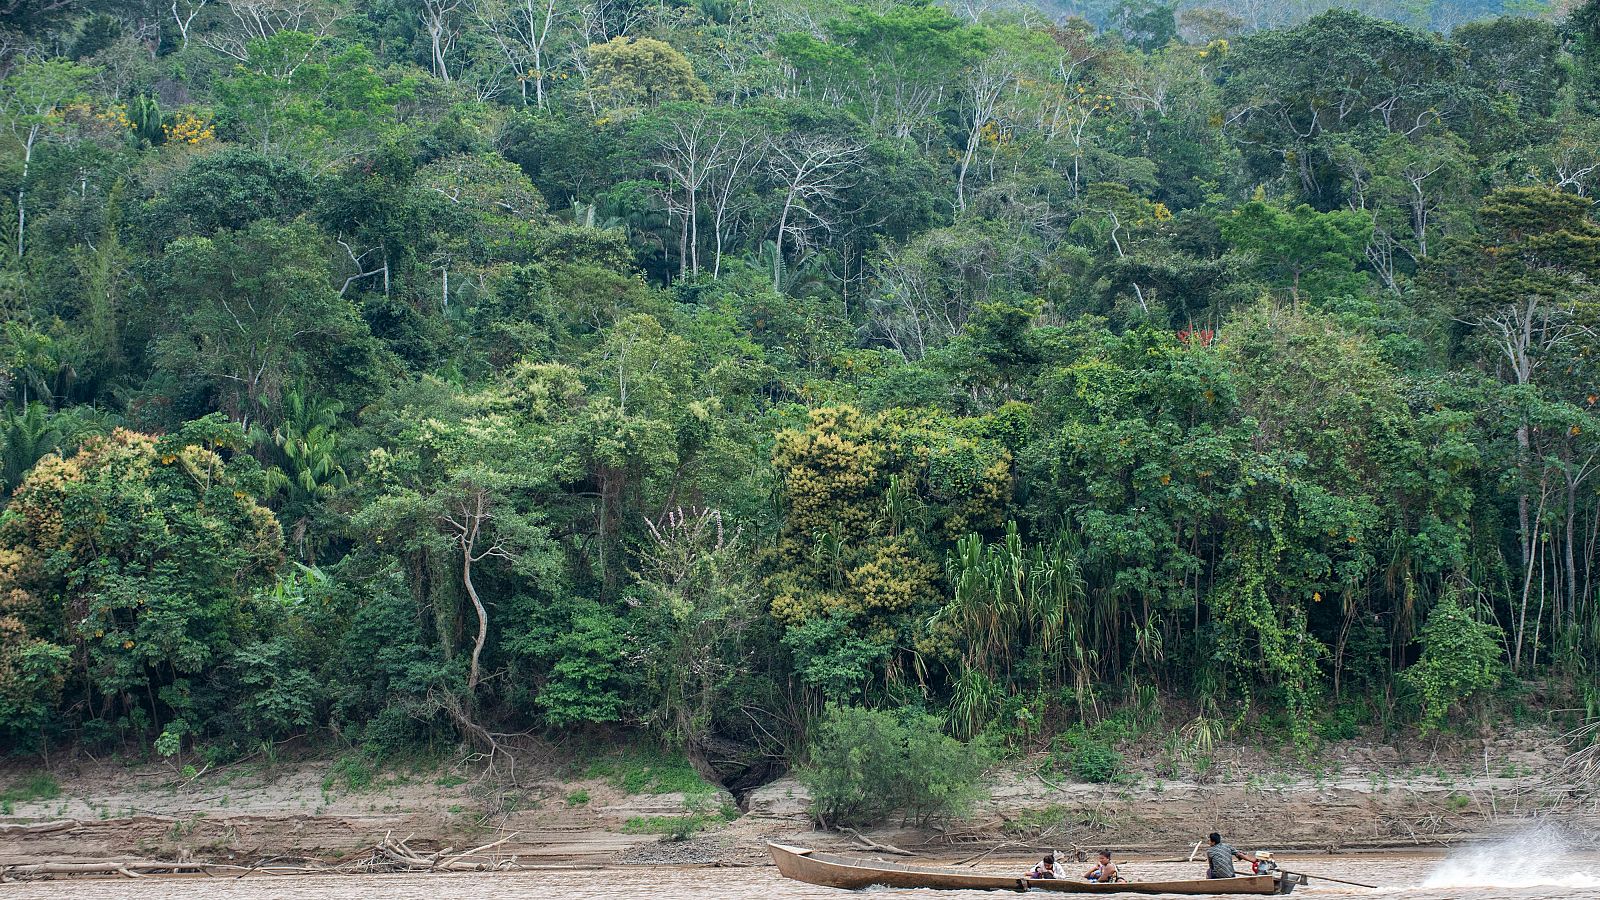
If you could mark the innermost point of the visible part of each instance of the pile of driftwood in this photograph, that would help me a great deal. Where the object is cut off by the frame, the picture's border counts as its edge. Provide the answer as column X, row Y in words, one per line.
column 395, row 856
column 388, row 855
column 139, row 868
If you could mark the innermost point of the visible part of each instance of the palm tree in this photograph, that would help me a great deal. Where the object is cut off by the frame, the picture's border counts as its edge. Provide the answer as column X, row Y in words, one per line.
column 31, row 356
column 25, row 438
column 308, row 470
column 802, row 277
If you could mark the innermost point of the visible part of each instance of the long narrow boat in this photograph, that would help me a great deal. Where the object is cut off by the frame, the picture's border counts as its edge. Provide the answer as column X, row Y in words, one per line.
column 851, row 872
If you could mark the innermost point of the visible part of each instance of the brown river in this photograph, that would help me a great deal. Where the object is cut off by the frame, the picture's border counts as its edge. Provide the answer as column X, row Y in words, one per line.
column 1489, row 872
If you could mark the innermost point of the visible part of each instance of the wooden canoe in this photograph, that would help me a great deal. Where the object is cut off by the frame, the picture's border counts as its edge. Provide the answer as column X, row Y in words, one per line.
column 851, row 872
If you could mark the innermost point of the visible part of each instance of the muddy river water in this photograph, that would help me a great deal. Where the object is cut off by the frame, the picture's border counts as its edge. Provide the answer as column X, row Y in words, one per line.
column 1487, row 873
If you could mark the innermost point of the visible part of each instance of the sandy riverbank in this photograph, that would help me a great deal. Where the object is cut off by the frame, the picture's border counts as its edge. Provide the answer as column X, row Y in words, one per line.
column 1358, row 796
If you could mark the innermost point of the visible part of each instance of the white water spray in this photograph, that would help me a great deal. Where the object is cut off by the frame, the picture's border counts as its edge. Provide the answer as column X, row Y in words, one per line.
column 1544, row 855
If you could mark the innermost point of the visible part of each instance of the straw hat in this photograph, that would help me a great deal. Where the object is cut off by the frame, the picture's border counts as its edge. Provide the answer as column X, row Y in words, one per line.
column 1263, row 854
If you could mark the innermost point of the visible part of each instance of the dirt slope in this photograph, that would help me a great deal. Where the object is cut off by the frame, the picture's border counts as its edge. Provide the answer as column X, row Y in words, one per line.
column 1365, row 796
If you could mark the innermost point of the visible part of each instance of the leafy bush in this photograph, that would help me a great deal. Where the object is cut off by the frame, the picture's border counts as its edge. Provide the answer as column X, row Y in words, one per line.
column 1095, row 762
column 867, row 765
column 1341, row 723
column 1089, row 755
column 1460, row 658
column 356, row 773
column 577, row 646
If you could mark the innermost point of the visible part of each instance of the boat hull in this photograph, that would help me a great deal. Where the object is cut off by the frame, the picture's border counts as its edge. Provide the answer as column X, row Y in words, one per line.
column 849, row 872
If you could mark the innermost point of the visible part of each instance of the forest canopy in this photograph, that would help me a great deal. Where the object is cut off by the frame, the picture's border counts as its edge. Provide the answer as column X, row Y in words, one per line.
column 433, row 369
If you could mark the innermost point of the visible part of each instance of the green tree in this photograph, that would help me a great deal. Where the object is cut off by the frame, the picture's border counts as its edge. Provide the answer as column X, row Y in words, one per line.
column 906, row 53
column 138, row 555
column 228, row 189
column 865, row 766
column 32, row 97
column 251, row 311
column 1412, row 189
column 1148, row 24
column 1524, row 285
column 1301, row 249
column 1515, row 61
column 1460, row 659
column 294, row 91
column 460, row 489
column 629, row 74
column 1288, row 91
column 698, row 605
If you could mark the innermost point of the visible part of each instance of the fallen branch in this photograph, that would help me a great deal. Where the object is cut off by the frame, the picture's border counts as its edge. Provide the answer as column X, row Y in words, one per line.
column 401, row 855
column 477, row 850
column 40, row 827
column 1007, row 845
column 1047, row 782
column 977, row 858
column 874, row 845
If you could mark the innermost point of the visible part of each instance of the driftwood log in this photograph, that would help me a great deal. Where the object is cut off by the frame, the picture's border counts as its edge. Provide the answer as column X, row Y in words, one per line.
column 388, row 855
column 40, row 827
column 137, row 868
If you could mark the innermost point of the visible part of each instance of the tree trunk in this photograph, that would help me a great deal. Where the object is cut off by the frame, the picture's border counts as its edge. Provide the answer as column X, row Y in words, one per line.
column 22, row 186
column 1569, row 608
column 1526, row 542
column 483, row 622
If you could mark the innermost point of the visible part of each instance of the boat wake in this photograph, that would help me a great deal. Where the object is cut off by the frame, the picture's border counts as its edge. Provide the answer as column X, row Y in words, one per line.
column 1543, row 856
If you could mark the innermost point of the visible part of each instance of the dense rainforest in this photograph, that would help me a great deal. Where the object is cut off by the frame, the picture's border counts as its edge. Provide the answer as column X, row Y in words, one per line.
column 413, row 371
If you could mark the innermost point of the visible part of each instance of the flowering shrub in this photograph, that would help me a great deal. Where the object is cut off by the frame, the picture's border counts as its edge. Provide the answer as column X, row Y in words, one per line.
column 187, row 128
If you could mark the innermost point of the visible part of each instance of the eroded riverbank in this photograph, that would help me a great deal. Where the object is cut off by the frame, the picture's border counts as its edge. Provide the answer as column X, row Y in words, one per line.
column 1359, row 796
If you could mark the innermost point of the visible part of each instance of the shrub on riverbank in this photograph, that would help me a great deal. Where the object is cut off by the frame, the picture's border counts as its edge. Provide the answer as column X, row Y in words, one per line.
column 867, row 766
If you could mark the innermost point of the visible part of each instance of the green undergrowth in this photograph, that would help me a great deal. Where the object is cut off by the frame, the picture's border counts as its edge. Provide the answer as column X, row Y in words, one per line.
column 362, row 772
column 636, row 770
column 1092, row 752
column 39, row 786
column 680, row 827
column 1055, row 817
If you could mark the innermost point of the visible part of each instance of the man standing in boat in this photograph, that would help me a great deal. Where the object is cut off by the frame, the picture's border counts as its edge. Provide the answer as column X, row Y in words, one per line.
column 1220, row 857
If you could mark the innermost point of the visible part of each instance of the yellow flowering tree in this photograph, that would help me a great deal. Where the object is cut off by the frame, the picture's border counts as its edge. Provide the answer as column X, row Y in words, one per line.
column 125, row 572
column 189, row 129
column 869, row 501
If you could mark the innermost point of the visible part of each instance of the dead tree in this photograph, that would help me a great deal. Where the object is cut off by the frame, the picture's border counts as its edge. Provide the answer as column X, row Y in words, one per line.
column 812, row 173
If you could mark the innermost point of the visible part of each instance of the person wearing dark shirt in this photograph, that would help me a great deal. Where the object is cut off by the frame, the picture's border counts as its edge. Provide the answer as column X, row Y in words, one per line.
column 1220, row 857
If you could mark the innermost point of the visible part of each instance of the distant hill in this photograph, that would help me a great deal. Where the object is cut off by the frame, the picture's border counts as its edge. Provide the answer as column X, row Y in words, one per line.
column 1436, row 15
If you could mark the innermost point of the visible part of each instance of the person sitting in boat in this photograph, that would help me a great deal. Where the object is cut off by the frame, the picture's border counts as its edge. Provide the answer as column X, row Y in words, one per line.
column 1048, row 868
column 1220, row 857
column 1105, row 872
column 1263, row 863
